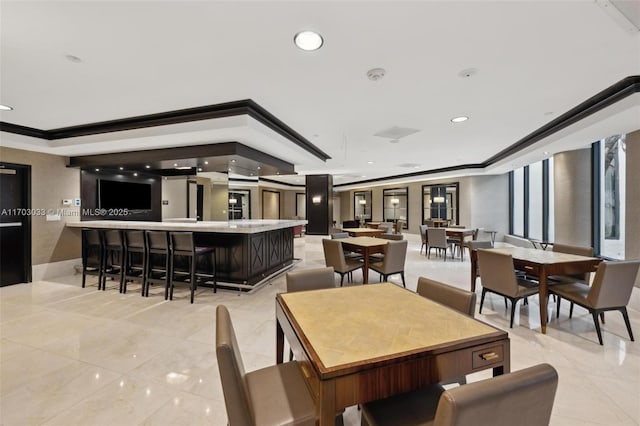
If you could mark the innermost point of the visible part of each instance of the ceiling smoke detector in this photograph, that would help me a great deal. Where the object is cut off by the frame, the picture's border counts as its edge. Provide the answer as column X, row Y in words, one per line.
column 375, row 74
column 469, row 72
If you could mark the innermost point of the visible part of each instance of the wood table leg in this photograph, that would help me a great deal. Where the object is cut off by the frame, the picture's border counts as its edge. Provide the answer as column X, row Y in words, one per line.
column 279, row 343
column 542, row 284
column 474, row 269
column 326, row 403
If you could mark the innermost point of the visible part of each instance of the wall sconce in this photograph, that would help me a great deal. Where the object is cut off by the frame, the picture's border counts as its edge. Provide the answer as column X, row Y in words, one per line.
column 317, row 199
column 362, row 202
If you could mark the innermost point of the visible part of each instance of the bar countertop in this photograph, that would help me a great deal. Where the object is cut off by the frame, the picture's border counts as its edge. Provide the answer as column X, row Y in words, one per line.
column 231, row 227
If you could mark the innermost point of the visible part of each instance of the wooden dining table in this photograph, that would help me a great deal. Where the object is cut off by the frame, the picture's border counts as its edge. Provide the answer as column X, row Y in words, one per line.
column 362, row 343
column 366, row 246
column 541, row 264
column 458, row 234
column 364, row 232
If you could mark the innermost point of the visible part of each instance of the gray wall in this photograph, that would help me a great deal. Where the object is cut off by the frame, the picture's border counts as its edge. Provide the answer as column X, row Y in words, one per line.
column 632, row 224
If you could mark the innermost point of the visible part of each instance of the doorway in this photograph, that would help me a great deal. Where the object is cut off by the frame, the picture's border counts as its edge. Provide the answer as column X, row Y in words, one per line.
column 15, row 224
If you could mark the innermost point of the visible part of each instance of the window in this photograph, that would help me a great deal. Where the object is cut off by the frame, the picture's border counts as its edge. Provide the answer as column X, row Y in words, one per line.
column 531, row 200
column 611, row 200
column 440, row 202
column 362, row 206
column 395, row 205
column 239, row 204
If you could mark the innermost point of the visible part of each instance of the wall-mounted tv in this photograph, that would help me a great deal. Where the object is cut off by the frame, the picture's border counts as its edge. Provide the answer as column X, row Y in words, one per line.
column 113, row 194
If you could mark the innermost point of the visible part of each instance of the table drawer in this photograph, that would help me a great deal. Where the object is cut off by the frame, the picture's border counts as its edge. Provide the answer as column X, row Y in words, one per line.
column 485, row 357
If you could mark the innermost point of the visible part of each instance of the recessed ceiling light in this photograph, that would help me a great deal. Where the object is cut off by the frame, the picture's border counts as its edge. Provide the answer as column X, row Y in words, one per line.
column 258, row 167
column 175, row 164
column 121, row 168
column 363, row 176
column 97, row 170
column 233, row 160
column 369, row 162
column 206, row 162
column 148, row 166
column 308, row 40
column 416, row 167
column 546, row 153
column 135, row 174
column 459, row 119
column 199, row 169
column 6, row 108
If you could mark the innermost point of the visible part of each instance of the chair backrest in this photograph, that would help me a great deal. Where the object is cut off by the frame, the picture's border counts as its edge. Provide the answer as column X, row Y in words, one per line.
column 423, row 233
column 310, row 279
column 457, row 226
column 437, row 237
column 497, row 273
column 453, row 297
column 339, row 235
column 134, row 239
column 577, row 250
column 522, row 397
column 613, row 284
column 334, row 254
column 386, row 226
column 475, row 245
column 394, row 237
column 182, row 241
column 350, row 224
column 429, row 223
column 113, row 238
column 91, row 237
column 157, row 240
column 232, row 373
column 394, row 256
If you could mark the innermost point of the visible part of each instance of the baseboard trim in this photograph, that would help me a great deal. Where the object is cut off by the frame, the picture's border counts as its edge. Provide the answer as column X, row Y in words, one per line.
column 45, row 271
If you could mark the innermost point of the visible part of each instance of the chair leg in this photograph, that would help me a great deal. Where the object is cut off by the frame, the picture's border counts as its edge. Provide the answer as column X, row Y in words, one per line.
column 484, row 291
column 215, row 275
column 558, row 307
column 403, row 283
column 513, row 311
column 595, row 321
column 505, row 303
column 570, row 309
column 290, row 355
column 192, row 269
column 341, row 279
column 602, row 317
column 625, row 315
column 421, row 247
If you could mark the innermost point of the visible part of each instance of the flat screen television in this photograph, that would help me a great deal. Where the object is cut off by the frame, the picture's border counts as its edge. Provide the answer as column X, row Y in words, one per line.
column 113, row 194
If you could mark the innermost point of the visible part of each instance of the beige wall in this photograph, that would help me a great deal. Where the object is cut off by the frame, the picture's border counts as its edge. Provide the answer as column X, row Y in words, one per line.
column 51, row 181
column 487, row 203
column 632, row 223
column 219, row 202
column 572, row 197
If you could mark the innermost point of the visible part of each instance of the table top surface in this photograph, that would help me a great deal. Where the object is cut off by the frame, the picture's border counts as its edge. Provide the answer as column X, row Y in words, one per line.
column 245, row 226
column 364, row 241
column 348, row 326
column 542, row 256
column 363, row 230
column 460, row 230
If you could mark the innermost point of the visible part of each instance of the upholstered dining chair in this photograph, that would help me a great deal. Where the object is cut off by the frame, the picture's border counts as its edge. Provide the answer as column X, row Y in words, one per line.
column 577, row 250
column 347, row 254
column 453, row 297
column 498, row 276
column 334, row 256
column 393, row 262
column 437, row 239
column 310, row 279
column 423, row 235
column 610, row 291
column 274, row 395
column 522, row 397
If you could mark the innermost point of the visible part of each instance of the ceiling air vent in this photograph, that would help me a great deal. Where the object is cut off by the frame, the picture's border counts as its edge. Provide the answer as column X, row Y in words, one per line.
column 396, row 132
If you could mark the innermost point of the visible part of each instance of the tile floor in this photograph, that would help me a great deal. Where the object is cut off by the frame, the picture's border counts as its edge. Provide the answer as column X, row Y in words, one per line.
column 74, row 356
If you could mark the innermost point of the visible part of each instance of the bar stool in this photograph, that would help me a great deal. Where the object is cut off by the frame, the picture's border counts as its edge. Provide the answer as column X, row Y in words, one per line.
column 114, row 254
column 92, row 255
column 156, row 269
column 134, row 259
column 182, row 244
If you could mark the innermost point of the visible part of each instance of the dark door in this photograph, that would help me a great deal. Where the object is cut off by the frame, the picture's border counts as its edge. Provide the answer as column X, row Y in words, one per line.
column 199, row 201
column 15, row 224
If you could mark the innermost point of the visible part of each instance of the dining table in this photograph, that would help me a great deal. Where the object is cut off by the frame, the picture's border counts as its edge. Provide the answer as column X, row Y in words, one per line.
column 458, row 234
column 540, row 264
column 362, row 343
column 366, row 246
column 364, row 232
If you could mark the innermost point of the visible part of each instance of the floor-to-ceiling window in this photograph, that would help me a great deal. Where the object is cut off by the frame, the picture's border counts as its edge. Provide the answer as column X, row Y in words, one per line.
column 610, row 202
column 531, row 199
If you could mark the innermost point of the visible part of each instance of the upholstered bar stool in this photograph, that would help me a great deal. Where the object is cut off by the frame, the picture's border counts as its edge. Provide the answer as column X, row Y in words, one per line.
column 134, row 259
column 182, row 244
column 92, row 255
column 114, row 254
column 156, row 270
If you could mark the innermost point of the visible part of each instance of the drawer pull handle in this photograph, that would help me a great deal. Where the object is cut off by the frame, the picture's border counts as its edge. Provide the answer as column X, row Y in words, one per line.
column 489, row 356
column 529, row 268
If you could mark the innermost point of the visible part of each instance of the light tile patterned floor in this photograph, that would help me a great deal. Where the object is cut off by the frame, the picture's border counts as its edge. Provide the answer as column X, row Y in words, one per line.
column 73, row 356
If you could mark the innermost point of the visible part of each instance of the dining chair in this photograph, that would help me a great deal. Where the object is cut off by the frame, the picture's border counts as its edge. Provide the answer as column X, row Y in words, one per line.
column 274, row 395
column 455, row 298
column 135, row 258
column 334, row 256
column 437, row 239
column 393, row 263
column 423, row 235
column 498, row 276
column 114, row 253
column 430, row 223
column 183, row 245
column 522, row 397
column 610, row 291
column 347, row 254
column 92, row 255
column 577, row 250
